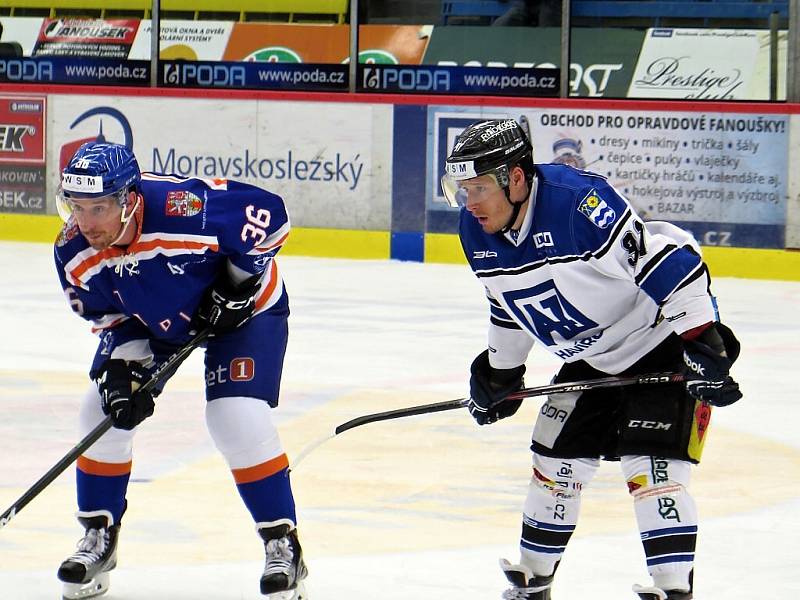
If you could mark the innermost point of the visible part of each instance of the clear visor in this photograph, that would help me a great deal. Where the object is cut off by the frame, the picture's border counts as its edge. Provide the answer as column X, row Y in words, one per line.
column 66, row 207
column 476, row 189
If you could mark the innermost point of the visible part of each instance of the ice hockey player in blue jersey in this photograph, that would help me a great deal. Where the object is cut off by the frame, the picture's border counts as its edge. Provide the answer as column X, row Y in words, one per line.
column 567, row 262
column 149, row 259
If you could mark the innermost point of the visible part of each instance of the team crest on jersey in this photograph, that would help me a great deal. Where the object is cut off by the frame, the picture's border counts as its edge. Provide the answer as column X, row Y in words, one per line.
column 183, row 203
column 67, row 233
column 594, row 208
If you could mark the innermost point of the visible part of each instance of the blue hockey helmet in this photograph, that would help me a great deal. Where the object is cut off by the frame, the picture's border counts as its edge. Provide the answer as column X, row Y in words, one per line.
column 98, row 170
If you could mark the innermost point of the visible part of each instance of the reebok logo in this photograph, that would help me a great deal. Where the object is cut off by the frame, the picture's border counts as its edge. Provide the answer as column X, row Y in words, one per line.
column 694, row 366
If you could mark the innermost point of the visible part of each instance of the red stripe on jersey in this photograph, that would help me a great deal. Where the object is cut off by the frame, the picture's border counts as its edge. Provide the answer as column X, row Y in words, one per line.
column 93, row 261
column 278, row 243
column 113, row 323
column 269, row 288
column 134, row 249
column 170, row 245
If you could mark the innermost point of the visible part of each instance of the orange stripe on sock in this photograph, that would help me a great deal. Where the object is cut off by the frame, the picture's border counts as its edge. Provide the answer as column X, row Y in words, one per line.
column 265, row 469
column 92, row 467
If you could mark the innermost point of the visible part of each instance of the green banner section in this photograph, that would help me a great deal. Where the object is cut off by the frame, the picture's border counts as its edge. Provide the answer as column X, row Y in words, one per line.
column 603, row 60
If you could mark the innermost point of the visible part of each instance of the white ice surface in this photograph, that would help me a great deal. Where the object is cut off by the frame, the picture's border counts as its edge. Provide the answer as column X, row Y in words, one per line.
column 420, row 508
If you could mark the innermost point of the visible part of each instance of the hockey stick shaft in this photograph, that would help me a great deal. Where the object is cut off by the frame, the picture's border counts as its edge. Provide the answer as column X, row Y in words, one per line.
column 542, row 390
column 165, row 370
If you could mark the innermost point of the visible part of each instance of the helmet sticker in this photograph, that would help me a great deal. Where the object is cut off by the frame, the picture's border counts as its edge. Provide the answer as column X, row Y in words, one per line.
column 515, row 147
column 461, row 170
column 499, row 129
column 91, row 184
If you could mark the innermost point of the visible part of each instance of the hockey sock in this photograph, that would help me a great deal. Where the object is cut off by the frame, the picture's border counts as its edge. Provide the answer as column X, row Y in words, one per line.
column 102, row 486
column 266, row 490
column 104, row 470
column 243, row 431
column 551, row 510
column 667, row 517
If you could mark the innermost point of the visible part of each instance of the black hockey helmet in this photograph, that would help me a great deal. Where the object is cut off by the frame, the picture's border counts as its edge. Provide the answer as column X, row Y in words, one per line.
column 491, row 147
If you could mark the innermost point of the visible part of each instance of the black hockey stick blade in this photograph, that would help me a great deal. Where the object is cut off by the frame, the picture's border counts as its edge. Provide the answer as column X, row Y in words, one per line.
column 165, row 370
column 542, row 390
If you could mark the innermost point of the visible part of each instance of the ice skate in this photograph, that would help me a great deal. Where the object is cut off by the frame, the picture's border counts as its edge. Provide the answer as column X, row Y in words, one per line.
column 85, row 573
column 654, row 593
column 527, row 586
column 284, row 569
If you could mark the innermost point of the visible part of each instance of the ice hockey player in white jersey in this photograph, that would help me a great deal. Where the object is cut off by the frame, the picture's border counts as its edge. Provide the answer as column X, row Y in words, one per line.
column 567, row 262
column 149, row 259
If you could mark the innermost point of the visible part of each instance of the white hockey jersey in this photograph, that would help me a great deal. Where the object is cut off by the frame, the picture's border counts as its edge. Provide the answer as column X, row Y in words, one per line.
column 585, row 276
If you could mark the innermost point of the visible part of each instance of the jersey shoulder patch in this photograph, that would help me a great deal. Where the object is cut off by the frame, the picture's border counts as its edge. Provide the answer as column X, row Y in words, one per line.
column 68, row 232
column 596, row 209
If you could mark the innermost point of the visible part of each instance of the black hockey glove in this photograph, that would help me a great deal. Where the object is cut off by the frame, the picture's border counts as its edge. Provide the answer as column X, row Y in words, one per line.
column 118, row 382
column 488, row 388
column 227, row 306
column 709, row 358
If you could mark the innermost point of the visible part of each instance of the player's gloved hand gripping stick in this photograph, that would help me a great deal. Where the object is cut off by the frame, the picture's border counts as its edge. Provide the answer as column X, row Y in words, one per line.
column 165, row 370
column 543, row 390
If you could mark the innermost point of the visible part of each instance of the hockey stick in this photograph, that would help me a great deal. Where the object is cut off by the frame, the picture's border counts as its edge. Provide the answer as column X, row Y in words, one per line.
column 166, row 369
column 542, row 390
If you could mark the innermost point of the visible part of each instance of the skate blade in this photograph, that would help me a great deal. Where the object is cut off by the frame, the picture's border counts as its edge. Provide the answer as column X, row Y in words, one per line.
column 78, row 591
column 298, row 593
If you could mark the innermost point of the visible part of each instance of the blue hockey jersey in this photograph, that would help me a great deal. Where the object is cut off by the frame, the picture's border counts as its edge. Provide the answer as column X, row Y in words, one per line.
column 585, row 276
column 189, row 231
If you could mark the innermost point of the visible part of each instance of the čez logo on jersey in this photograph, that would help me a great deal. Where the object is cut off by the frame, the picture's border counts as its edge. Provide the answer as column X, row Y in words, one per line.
column 594, row 208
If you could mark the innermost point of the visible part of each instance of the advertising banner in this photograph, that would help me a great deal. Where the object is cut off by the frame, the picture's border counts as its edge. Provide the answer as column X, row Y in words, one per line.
column 288, row 43
column 183, row 40
column 424, row 79
column 331, row 162
column 83, row 37
column 68, row 70
column 22, row 153
column 393, row 44
column 722, row 176
column 23, row 30
column 307, row 43
column 602, row 60
column 700, row 64
column 759, row 90
column 254, row 75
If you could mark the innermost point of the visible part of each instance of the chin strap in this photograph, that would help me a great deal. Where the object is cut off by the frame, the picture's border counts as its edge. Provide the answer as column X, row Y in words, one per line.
column 516, row 206
column 125, row 221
